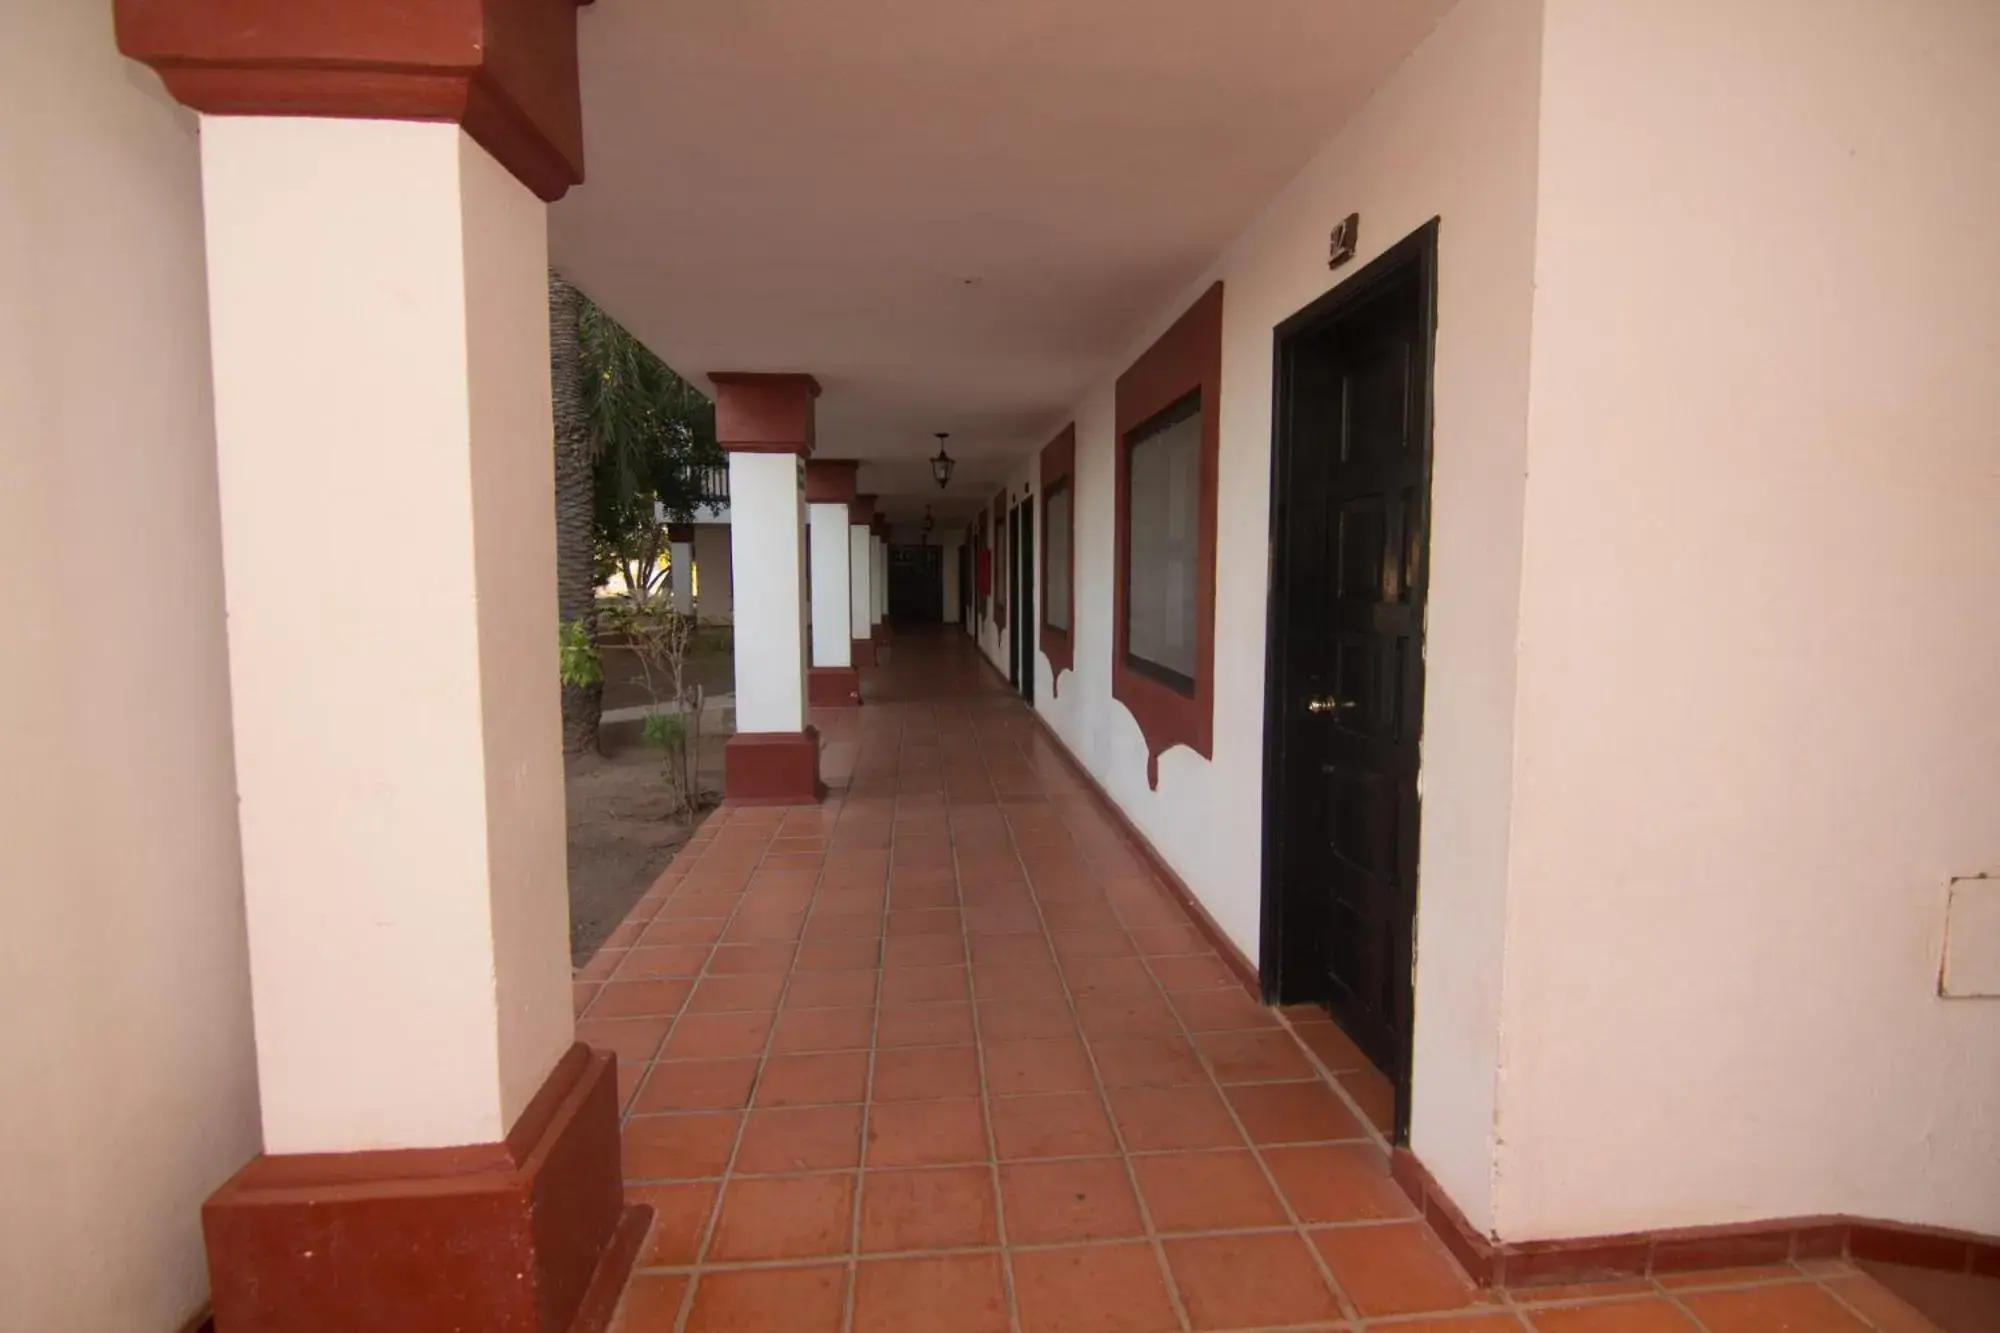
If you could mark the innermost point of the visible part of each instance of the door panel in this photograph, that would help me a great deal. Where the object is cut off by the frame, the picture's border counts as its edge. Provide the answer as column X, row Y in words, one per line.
column 1351, row 486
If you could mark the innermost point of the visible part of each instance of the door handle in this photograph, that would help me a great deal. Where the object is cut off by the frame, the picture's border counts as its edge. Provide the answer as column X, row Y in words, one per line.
column 1326, row 703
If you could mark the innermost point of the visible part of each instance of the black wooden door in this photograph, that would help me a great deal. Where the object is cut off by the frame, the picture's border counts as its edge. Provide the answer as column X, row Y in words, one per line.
column 1009, row 584
column 916, row 585
column 1351, row 512
column 1025, row 626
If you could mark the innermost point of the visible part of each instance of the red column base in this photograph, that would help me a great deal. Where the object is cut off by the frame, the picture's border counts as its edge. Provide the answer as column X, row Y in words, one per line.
column 882, row 632
column 833, row 687
column 772, row 768
column 527, row 1236
column 864, row 652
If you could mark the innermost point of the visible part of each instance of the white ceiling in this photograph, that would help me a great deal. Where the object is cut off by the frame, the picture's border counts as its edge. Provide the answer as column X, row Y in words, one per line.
column 953, row 212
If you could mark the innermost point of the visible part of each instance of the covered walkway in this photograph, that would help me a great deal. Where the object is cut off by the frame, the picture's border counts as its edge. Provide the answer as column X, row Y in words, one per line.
column 943, row 1054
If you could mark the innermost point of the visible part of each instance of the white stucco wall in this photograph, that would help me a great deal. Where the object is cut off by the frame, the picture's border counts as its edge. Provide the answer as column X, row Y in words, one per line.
column 1452, row 134
column 1760, row 671
column 130, row 1083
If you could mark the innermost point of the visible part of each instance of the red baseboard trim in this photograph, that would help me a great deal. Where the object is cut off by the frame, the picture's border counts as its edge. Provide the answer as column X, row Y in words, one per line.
column 833, row 687
column 614, row 1270
column 1225, row 948
column 772, row 768
column 501, row 1236
column 1691, row 1249
column 864, row 652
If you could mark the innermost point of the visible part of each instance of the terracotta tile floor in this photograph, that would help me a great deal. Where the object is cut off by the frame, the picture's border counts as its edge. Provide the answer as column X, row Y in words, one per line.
column 941, row 1054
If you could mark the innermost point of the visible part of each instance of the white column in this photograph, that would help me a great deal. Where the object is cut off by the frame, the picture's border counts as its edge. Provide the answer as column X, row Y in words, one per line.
column 832, row 596
column 378, row 310
column 767, row 551
column 861, row 559
column 680, row 564
column 879, row 583
column 951, row 607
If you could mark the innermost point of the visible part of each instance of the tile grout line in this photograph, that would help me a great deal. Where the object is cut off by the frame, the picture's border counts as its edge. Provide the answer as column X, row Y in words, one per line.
column 1332, row 1079
column 863, row 1153
column 1349, row 1311
column 987, row 1100
column 743, row 1123
column 1152, row 1235
column 625, row 1110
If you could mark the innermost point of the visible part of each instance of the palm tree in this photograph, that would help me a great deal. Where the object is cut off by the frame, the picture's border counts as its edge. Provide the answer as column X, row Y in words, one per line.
column 576, row 565
column 632, row 439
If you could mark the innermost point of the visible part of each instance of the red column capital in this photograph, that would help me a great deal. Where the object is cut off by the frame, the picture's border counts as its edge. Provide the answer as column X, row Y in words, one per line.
column 757, row 413
column 830, row 481
column 505, row 70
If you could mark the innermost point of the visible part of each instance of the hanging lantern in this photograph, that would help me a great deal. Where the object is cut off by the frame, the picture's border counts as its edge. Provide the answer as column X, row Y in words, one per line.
column 942, row 465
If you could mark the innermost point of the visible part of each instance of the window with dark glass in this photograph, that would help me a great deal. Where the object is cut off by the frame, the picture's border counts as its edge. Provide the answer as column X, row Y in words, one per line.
column 1163, row 479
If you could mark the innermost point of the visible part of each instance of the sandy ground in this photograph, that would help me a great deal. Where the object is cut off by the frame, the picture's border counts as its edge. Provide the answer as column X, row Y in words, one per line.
column 621, row 834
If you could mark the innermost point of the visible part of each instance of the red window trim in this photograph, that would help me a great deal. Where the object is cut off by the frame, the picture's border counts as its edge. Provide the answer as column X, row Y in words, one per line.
column 1186, row 359
column 1059, row 474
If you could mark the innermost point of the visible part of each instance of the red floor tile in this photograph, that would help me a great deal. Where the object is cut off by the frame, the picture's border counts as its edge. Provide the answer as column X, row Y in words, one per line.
column 640, row 999
column 831, row 990
column 1056, row 1124
column 939, row 1023
column 1159, row 1119
column 680, row 1222
column 928, row 1208
column 1051, row 1202
column 800, row 1030
column 1633, row 1316
column 709, row 1036
column 1098, row 1289
column 679, row 1147
column 1207, row 1191
column 926, row 1074
column 1249, row 1280
column 806, row 1080
column 922, row 985
column 775, row 1300
column 963, row 1293
column 1138, row 1062
column 1274, row 1113
column 785, row 1218
column 1795, row 1308
column 1048, row 1065
column 697, row 1085
column 1394, row 1270
column 1337, row 1184
column 652, row 1303
column 806, row 1138
column 936, row 1133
